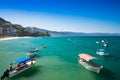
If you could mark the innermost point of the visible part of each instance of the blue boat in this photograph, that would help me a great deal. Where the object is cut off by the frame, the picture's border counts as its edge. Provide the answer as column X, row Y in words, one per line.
column 32, row 52
column 102, row 52
column 22, row 65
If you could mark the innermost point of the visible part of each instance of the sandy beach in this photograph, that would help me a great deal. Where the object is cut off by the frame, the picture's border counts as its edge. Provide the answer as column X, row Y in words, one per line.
column 10, row 38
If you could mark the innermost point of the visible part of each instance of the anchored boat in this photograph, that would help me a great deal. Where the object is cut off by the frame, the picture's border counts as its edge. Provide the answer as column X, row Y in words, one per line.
column 86, row 61
column 97, row 42
column 102, row 52
column 31, row 54
column 32, row 51
column 22, row 65
column 105, row 44
column 43, row 46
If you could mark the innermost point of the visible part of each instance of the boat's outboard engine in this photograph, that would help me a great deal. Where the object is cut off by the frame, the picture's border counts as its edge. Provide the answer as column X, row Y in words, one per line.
column 5, row 74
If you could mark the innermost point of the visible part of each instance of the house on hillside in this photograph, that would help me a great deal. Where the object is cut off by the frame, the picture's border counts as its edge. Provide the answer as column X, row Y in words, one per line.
column 32, row 29
column 29, row 29
column 1, row 30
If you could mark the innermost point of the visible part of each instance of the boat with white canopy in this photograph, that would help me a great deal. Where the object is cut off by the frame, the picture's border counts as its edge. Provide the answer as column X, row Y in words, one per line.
column 86, row 61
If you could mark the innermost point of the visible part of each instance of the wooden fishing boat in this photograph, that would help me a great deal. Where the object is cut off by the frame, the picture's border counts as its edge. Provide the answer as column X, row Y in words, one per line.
column 86, row 61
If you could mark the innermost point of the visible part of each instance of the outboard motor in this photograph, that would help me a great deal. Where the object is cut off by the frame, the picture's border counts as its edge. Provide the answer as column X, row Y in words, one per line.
column 5, row 74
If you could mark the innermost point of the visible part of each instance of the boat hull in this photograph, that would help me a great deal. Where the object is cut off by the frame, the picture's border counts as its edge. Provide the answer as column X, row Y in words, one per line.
column 90, row 67
column 15, row 71
column 31, row 54
column 102, row 53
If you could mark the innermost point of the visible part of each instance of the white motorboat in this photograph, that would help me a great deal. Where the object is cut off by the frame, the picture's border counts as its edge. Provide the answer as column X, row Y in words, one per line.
column 34, row 50
column 102, row 41
column 97, row 42
column 31, row 54
column 22, row 65
column 86, row 61
column 105, row 44
column 102, row 52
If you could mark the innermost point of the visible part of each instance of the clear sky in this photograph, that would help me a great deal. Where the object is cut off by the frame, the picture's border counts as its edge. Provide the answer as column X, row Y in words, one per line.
column 64, row 15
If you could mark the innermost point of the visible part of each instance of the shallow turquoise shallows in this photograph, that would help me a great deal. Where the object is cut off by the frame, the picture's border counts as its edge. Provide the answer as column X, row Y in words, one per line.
column 58, row 61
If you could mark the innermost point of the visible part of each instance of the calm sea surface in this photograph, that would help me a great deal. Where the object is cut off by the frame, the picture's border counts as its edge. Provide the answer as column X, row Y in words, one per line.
column 58, row 61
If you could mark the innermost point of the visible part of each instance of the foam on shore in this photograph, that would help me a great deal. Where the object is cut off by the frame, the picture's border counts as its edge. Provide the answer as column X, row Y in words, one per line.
column 10, row 38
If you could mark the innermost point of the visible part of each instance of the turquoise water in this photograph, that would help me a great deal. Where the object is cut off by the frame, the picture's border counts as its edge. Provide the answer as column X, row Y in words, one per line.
column 58, row 61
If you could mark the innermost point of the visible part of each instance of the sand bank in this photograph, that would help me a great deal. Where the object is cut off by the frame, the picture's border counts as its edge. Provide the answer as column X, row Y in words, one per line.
column 10, row 38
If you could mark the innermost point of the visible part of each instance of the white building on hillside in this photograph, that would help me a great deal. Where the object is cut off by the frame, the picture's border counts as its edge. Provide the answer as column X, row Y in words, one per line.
column 1, row 30
column 32, row 29
column 29, row 29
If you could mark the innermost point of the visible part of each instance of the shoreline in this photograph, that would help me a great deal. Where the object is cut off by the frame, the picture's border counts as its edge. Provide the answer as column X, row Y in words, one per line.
column 11, row 38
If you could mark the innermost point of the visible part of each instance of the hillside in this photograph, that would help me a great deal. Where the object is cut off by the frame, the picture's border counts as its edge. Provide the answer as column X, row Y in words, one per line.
column 9, row 29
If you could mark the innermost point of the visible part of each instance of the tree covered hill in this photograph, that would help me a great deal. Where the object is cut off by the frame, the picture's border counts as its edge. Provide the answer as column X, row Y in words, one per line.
column 9, row 29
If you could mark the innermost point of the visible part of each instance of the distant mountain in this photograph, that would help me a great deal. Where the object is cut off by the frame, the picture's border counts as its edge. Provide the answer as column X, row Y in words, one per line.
column 55, row 33
column 66, row 33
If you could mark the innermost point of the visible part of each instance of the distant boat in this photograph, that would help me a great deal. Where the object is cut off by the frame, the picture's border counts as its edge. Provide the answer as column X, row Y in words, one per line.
column 22, row 65
column 32, row 51
column 86, row 61
column 31, row 54
column 43, row 46
column 102, row 41
column 102, row 52
column 105, row 44
column 97, row 42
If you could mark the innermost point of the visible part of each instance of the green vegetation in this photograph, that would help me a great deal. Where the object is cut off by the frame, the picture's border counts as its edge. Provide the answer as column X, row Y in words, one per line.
column 9, row 29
